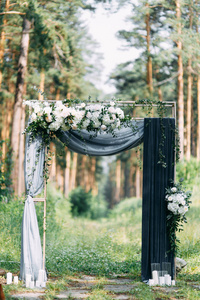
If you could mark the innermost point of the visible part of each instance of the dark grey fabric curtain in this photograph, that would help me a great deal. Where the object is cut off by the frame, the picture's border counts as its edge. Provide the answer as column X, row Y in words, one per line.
column 31, row 250
column 155, row 242
column 104, row 144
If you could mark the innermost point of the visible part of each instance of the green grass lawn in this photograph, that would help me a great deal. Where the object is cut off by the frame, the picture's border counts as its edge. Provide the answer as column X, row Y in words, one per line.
column 105, row 248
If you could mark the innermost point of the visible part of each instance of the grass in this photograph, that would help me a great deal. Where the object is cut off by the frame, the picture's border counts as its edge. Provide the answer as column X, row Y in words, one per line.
column 106, row 248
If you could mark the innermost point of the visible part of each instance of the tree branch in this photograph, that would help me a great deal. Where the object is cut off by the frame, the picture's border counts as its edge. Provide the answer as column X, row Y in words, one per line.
column 167, row 80
column 12, row 13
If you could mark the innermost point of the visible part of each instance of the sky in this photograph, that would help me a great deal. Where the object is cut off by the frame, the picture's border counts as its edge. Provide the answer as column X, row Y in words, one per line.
column 103, row 26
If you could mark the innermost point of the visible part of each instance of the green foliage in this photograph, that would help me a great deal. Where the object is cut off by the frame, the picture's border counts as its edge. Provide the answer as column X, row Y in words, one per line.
column 189, row 170
column 10, row 238
column 126, row 206
column 5, row 172
column 80, row 202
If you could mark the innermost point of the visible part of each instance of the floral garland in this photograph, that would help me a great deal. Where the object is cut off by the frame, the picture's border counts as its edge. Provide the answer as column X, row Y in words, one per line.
column 47, row 118
column 178, row 204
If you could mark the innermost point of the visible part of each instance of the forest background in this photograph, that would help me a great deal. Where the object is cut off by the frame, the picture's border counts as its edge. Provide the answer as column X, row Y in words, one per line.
column 45, row 53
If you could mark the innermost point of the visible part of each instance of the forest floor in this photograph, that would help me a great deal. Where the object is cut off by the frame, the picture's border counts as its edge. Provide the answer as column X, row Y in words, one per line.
column 94, row 288
column 97, row 259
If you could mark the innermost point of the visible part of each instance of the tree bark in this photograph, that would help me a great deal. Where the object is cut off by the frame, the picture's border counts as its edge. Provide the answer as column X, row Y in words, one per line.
column 198, row 118
column 17, row 115
column 2, row 43
column 21, row 187
column 189, row 99
column 52, row 172
column 118, row 180
column 198, row 101
column 149, row 59
column 74, row 169
column 58, row 94
column 67, row 173
column 180, row 82
column 42, row 80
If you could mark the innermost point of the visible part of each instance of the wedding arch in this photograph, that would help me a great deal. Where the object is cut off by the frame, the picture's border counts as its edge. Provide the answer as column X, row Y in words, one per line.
column 157, row 135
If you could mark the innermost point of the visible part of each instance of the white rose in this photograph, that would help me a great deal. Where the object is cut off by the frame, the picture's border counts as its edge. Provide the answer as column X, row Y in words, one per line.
column 36, row 108
column 174, row 189
column 103, row 127
column 120, row 113
column 170, row 198
column 112, row 103
column 65, row 112
column 33, row 117
column 47, row 110
column 111, row 110
column 82, row 105
column 48, row 118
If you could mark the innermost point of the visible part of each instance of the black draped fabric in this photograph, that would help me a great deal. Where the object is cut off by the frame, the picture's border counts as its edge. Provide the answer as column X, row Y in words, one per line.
column 155, row 242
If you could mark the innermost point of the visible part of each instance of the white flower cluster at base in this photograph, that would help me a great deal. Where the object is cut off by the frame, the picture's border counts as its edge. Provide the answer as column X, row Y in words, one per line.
column 55, row 116
column 177, row 202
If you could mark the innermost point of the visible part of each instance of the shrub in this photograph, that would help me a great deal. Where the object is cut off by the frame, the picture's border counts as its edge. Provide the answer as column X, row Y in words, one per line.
column 189, row 171
column 5, row 173
column 80, row 202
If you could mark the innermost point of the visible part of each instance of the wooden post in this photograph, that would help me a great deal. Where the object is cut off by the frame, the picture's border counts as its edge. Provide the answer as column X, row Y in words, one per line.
column 44, row 225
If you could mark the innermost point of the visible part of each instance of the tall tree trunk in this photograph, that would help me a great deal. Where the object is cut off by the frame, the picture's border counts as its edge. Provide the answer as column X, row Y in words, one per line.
column 58, row 94
column 93, row 169
column 198, row 100
column 52, row 172
column 17, row 115
column 180, row 82
column 67, row 173
column 74, row 169
column 21, row 187
column 198, row 118
column 118, row 180
column 2, row 42
column 189, row 111
column 42, row 80
column 59, row 178
column 149, row 59
column 189, row 98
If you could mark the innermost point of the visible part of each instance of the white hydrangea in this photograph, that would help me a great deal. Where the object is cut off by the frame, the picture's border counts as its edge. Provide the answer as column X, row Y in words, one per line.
column 111, row 110
column 173, row 207
column 89, row 115
column 106, row 120
column 85, row 123
column 96, row 124
column 182, row 210
column 54, row 126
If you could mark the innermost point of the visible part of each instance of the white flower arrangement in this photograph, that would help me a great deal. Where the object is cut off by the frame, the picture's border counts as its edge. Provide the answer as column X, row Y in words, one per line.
column 61, row 115
column 178, row 204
